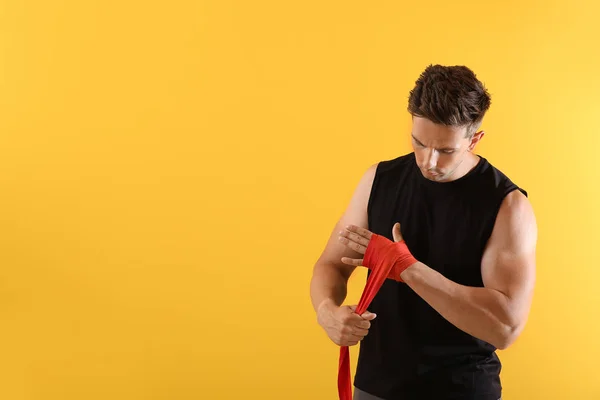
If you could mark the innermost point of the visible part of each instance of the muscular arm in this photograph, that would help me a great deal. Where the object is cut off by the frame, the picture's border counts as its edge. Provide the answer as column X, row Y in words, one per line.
column 330, row 275
column 497, row 312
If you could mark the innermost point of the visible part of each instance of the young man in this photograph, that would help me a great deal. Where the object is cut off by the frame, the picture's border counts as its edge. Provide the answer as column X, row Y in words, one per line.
column 432, row 330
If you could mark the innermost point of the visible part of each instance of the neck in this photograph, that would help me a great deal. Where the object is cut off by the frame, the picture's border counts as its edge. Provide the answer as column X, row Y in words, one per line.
column 470, row 161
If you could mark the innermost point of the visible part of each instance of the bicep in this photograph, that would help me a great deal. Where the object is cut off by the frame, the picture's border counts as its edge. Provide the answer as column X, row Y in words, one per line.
column 508, row 263
column 356, row 214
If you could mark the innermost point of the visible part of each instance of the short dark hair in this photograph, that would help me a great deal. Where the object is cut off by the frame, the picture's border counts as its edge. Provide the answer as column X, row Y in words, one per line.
column 450, row 95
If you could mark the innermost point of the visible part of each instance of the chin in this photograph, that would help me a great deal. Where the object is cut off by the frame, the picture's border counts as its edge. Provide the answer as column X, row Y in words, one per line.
column 434, row 177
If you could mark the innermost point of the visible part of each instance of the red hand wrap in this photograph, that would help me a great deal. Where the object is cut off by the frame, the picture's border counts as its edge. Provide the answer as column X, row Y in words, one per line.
column 381, row 252
column 385, row 259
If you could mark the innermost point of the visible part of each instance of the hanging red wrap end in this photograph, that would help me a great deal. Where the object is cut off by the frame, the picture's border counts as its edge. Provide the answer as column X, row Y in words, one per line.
column 385, row 259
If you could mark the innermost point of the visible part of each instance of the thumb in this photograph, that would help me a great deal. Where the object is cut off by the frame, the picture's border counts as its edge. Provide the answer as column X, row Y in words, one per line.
column 369, row 316
column 396, row 233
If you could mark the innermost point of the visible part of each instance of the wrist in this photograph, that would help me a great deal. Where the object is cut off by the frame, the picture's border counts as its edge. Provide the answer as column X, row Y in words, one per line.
column 404, row 261
column 324, row 312
column 409, row 273
column 326, row 304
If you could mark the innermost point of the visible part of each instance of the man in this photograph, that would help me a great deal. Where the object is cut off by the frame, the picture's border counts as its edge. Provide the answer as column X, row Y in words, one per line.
column 431, row 332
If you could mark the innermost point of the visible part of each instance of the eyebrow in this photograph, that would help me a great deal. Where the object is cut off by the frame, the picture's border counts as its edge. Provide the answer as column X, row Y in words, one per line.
column 442, row 149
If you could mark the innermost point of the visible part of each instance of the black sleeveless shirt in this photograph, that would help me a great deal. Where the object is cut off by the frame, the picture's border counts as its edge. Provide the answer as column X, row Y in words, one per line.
column 411, row 351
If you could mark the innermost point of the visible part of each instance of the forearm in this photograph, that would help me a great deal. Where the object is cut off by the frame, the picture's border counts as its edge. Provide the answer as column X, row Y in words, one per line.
column 328, row 283
column 481, row 312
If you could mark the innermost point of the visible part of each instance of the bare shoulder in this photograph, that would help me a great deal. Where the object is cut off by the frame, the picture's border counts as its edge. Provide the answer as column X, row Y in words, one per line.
column 516, row 223
column 508, row 263
column 357, row 207
column 355, row 214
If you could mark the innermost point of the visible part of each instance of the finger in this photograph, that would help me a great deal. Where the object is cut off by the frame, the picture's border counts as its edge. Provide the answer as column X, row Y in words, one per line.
column 353, row 245
column 364, row 324
column 351, row 319
column 396, row 233
column 360, row 332
column 355, row 337
column 355, row 237
column 352, row 307
column 361, row 231
column 358, row 322
column 352, row 261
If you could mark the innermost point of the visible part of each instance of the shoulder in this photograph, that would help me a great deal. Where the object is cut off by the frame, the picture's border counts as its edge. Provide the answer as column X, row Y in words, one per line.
column 498, row 181
column 391, row 170
column 516, row 205
column 516, row 223
column 396, row 163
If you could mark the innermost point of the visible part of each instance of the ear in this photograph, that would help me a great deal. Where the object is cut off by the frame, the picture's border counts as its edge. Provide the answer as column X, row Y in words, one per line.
column 475, row 139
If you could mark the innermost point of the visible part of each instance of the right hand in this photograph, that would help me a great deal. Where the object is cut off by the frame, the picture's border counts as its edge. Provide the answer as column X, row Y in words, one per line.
column 343, row 326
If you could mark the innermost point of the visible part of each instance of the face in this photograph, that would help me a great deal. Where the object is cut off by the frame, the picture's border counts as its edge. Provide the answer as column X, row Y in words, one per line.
column 443, row 153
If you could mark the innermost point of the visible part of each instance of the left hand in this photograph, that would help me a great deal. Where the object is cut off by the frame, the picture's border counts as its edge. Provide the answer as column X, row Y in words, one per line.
column 358, row 239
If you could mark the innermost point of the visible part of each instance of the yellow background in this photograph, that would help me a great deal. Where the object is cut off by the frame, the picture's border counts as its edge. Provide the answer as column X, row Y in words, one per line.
column 170, row 171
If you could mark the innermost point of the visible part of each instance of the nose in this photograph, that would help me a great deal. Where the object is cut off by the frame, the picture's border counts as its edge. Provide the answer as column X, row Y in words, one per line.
column 431, row 159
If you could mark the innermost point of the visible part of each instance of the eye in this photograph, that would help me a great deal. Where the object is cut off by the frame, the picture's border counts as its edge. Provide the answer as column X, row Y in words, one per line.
column 447, row 151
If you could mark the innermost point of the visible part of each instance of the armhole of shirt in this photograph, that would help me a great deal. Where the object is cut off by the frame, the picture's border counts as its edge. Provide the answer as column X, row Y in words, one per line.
column 371, row 194
column 508, row 190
